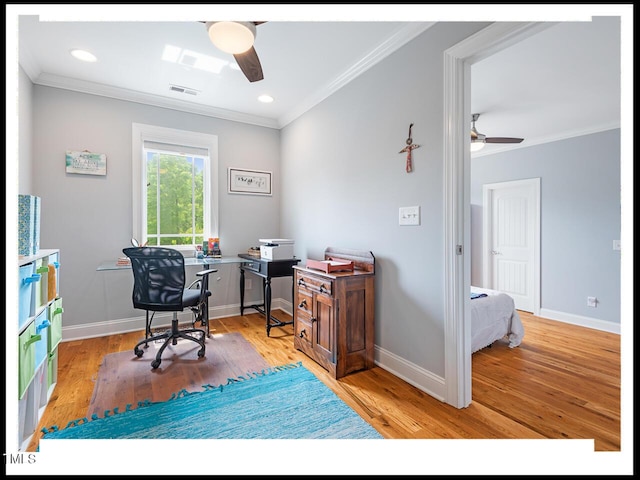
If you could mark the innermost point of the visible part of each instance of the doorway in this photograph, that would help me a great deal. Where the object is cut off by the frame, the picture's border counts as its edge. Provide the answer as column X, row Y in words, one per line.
column 511, row 241
column 457, row 218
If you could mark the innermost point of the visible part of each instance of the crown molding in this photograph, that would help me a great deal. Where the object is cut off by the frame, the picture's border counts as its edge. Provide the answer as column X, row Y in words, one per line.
column 393, row 43
column 93, row 88
column 546, row 139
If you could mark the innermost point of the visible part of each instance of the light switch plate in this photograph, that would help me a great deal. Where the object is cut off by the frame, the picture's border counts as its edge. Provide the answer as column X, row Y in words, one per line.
column 409, row 215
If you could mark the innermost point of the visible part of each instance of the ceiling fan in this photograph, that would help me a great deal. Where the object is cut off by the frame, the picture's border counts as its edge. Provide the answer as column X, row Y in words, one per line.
column 478, row 140
column 237, row 38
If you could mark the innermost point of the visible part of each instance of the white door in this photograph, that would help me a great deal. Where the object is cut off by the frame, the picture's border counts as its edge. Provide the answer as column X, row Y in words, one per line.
column 511, row 241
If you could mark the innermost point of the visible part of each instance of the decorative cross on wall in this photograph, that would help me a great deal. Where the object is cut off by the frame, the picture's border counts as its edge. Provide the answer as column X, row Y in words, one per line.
column 408, row 149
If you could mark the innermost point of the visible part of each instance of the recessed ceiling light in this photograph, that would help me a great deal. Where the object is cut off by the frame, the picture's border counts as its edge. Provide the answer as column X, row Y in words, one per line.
column 265, row 98
column 84, row 55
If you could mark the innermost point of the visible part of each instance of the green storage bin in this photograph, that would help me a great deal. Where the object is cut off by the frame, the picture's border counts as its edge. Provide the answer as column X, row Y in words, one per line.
column 53, row 368
column 55, row 318
column 26, row 357
column 40, row 288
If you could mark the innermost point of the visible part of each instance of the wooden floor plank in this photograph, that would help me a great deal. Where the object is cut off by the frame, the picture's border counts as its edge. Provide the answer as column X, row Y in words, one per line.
column 563, row 382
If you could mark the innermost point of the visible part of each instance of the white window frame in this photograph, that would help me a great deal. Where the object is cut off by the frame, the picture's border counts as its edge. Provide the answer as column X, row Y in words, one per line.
column 142, row 133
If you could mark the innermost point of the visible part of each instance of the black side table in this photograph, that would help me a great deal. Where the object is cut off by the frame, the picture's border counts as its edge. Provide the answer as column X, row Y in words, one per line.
column 267, row 269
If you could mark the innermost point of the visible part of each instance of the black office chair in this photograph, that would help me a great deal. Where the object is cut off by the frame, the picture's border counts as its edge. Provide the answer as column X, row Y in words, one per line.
column 159, row 286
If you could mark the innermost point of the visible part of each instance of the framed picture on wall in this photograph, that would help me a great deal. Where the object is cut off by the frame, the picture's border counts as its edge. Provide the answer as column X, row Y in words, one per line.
column 249, row 182
column 86, row 163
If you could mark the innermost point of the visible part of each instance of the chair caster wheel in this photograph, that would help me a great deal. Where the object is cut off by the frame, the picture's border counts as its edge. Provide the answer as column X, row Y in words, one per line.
column 155, row 364
column 201, row 353
column 138, row 352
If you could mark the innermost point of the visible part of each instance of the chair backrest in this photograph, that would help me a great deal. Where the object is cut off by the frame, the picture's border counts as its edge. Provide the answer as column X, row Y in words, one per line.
column 158, row 278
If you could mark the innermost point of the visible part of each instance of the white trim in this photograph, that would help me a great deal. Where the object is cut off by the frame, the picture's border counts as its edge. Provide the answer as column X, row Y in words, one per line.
column 495, row 148
column 581, row 321
column 457, row 224
column 141, row 132
column 411, row 373
column 487, row 220
column 393, row 43
column 397, row 40
column 101, row 90
column 133, row 324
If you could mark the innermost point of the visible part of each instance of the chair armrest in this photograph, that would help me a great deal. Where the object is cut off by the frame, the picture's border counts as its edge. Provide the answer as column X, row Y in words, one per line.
column 203, row 281
column 206, row 272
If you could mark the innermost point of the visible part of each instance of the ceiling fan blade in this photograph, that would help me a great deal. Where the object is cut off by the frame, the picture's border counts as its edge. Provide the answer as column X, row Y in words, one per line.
column 250, row 64
column 503, row 140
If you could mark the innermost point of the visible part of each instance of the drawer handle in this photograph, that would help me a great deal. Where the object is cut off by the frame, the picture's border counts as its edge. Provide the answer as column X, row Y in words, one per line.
column 303, row 332
column 322, row 289
column 33, row 278
column 32, row 339
column 42, row 326
column 303, row 304
column 301, row 282
column 314, row 319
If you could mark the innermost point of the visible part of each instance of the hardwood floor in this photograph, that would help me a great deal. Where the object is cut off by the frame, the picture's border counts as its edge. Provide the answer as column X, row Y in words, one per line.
column 563, row 382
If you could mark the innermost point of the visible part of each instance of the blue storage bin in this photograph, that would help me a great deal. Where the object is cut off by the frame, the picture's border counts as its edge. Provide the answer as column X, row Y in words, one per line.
column 42, row 329
column 25, row 287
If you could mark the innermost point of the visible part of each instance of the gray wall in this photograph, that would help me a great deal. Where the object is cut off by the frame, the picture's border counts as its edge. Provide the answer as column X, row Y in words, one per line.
column 89, row 218
column 25, row 122
column 344, row 180
column 580, row 218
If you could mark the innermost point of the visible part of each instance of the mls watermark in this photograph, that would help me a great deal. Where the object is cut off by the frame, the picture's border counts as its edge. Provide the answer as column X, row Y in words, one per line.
column 19, row 458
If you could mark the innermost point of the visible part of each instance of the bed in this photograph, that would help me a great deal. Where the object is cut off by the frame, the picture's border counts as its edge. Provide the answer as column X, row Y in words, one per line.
column 493, row 316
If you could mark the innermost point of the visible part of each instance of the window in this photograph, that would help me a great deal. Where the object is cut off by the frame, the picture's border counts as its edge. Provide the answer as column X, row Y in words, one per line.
column 175, row 186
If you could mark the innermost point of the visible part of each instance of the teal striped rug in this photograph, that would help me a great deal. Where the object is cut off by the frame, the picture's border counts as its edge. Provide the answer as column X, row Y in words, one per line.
column 286, row 402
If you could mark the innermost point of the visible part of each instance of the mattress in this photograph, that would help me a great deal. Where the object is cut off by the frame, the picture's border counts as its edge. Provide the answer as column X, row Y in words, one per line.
column 494, row 317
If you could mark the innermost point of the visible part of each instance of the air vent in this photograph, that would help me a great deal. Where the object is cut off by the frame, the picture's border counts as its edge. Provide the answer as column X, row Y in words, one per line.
column 179, row 89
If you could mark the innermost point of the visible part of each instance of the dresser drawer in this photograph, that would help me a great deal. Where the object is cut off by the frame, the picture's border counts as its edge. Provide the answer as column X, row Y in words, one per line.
column 302, row 327
column 314, row 283
column 305, row 301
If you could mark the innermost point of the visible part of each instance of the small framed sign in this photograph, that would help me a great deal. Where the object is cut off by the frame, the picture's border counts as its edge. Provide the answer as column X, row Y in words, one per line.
column 250, row 182
column 86, row 163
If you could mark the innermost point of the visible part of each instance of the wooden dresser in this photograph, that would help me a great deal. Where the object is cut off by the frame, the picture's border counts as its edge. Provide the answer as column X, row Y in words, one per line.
column 334, row 313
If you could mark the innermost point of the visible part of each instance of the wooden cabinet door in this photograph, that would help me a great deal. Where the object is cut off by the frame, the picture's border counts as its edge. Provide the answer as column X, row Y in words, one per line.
column 323, row 327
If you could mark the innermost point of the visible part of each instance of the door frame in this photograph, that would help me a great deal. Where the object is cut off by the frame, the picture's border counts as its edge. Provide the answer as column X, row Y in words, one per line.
column 487, row 229
column 457, row 217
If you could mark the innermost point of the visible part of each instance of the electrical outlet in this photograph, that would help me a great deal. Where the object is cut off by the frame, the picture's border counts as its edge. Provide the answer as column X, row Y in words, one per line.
column 592, row 302
column 616, row 244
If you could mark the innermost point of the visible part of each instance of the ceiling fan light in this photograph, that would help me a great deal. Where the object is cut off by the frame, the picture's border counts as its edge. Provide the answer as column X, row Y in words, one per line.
column 477, row 145
column 232, row 37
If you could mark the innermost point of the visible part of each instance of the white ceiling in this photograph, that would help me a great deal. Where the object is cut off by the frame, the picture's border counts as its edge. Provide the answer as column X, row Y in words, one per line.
column 561, row 82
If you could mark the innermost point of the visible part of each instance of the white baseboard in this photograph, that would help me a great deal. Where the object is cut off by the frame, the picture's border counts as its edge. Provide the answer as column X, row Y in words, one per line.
column 587, row 322
column 161, row 319
column 415, row 375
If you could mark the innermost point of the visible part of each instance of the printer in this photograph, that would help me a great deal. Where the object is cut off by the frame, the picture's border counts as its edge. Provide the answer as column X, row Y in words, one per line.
column 276, row 248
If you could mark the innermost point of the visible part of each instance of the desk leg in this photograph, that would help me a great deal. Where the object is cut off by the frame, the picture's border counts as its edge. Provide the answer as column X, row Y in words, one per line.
column 241, row 291
column 267, row 303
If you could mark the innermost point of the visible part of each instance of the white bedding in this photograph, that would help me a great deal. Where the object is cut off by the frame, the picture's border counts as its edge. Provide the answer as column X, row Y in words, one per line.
column 494, row 317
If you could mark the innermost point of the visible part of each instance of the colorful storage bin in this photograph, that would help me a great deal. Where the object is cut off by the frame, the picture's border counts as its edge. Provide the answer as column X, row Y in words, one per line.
column 26, row 357
column 55, row 330
column 27, row 279
column 42, row 345
column 28, row 224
